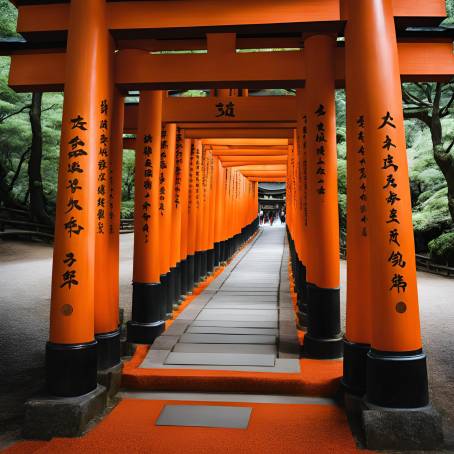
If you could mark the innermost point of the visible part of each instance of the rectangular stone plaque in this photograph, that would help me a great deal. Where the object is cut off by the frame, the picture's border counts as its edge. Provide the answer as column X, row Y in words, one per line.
column 205, row 416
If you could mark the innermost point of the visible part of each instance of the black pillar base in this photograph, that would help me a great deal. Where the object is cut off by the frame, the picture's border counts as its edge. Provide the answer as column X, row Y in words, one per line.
column 164, row 278
column 170, row 293
column 217, row 254
column 210, row 260
column 323, row 338
column 197, row 267
column 302, row 319
column 191, row 273
column 302, row 284
column 323, row 348
column 184, row 277
column 148, row 309
column 397, row 380
column 177, row 282
column 223, row 249
column 144, row 333
column 203, row 264
column 71, row 369
column 355, row 360
column 230, row 248
column 108, row 349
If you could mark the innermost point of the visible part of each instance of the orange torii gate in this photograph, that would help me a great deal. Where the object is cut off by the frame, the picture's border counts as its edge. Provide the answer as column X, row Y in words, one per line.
column 195, row 190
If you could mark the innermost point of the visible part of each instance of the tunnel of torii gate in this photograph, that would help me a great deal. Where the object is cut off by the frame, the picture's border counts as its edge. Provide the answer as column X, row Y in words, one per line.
column 199, row 161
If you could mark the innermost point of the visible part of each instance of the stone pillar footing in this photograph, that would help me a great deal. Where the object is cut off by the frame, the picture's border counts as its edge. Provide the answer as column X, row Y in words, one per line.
column 111, row 379
column 48, row 416
column 399, row 429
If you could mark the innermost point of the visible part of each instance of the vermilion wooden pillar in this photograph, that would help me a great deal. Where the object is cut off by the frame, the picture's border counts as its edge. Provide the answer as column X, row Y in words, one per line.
column 71, row 359
column 198, row 211
column 166, row 175
column 175, row 249
column 212, row 189
column 227, row 223
column 203, row 216
column 184, row 207
column 148, row 310
column 192, row 216
column 323, row 338
column 358, row 321
column 302, row 209
column 219, row 209
column 109, row 206
column 396, row 364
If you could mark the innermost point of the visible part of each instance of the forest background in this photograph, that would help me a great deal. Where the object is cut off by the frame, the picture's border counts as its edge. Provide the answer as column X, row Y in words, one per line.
column 30, row 135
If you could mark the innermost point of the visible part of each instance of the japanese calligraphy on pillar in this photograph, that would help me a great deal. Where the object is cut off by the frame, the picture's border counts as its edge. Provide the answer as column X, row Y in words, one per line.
column 396, row 260
column 104, row 172
column 197, row 179
column 178, row 164
column 191, row 175
column 362, row 175
column 320, row 141
column 147, row 184
column 77, row 154
column 204, row 173
column 162, row 175
column 293, row 183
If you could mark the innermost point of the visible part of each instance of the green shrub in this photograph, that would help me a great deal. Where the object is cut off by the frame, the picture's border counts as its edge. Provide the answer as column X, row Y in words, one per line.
column 431, row 217
column 127, row 209
column 441, row 249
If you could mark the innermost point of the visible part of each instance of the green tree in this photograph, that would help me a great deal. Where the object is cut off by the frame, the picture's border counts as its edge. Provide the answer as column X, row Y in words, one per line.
column 430, row 103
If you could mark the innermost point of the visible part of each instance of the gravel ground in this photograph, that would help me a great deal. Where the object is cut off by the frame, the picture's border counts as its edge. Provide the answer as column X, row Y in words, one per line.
column 25, row 270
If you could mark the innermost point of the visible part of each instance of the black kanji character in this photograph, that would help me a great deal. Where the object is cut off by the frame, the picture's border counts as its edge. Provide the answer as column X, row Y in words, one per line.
column 387, row 121
column 390, row 181
column 394, row 236
column 72, row 227
column 392, row 198
column 387, row 144
column 320, row 111
column 398, row 282
column 79, row 123
column 73, row 185
column 69, row 279
column 73, row 204
column 104, row 106
column 393, row 217
column 396, row 259
column 389, row 162
column 360, row 121
column 70, row 259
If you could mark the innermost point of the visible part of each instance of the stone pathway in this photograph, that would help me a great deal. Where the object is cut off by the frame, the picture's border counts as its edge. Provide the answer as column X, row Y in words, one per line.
column 242, row 321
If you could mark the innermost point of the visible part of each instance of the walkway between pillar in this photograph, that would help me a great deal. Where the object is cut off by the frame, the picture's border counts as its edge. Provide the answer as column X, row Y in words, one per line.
column 238, row 335
column 243, row 321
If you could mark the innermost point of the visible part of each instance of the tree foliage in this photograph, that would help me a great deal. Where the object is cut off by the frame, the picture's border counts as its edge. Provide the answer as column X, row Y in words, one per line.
column 429, row 183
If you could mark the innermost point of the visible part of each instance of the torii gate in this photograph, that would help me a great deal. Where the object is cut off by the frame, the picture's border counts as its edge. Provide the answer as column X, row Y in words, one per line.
column 112, row 47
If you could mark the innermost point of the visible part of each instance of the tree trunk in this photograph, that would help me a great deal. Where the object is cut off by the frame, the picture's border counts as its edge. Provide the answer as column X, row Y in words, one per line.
column 443, row 158
column 19, row 167
column 35, row 183
column 5, row 192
